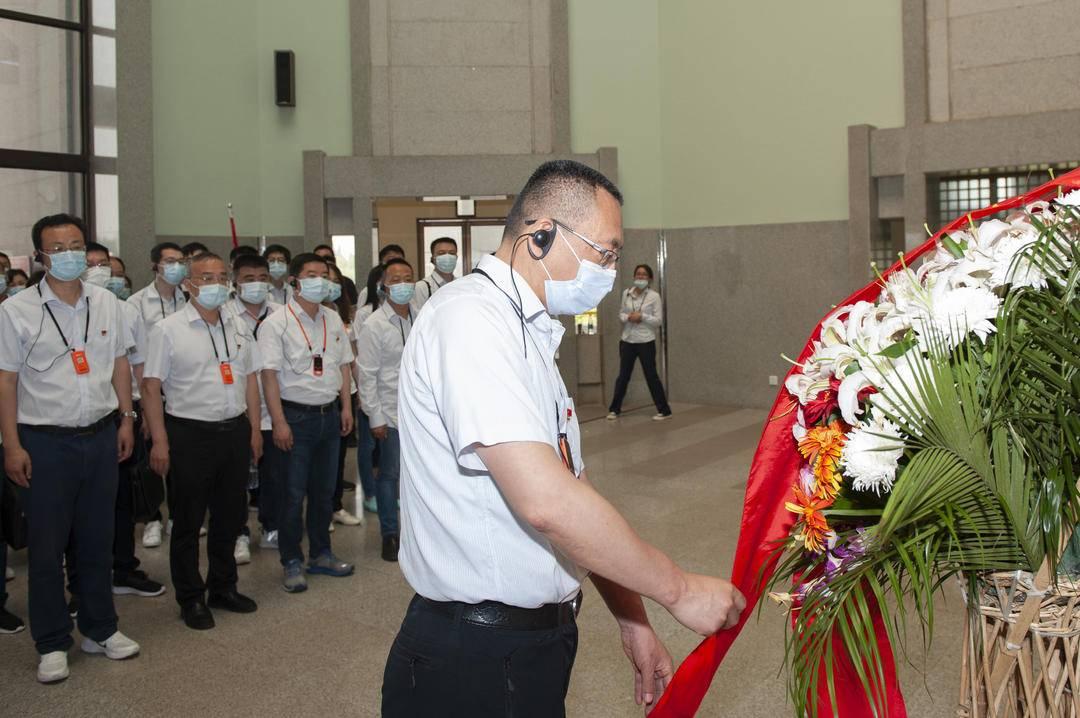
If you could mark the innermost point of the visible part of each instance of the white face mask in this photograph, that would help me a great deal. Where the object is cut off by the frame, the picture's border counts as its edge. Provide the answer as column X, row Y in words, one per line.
column 97, row 276
column 582, row 293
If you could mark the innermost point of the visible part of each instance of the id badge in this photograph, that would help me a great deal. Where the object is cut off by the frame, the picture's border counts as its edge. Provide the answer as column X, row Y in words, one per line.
column 318, row 366
column 226, row 372
column 78, row 358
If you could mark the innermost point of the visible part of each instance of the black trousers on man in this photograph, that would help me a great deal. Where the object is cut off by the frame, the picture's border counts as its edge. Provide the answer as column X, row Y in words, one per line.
column 628, row 354
column 209, row 468
column 441, row 666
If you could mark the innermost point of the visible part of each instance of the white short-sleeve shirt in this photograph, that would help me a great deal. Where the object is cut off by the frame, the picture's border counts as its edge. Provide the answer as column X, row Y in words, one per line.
column 137, row 342
column 153, row 307
column 379, row 345
column 50, row 391
column 468, row 381
column 186, row 354
column 289, row 341
column 253, row 322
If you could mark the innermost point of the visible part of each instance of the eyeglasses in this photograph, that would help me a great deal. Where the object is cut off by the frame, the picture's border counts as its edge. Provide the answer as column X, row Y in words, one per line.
column 200, row 279
column 57, row 248
column 608, row 257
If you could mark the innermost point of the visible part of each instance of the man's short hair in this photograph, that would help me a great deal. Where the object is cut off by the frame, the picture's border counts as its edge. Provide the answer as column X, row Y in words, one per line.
column 123, row 266
column 157, row 249
column 395, row 260
column 245, row 260
column 561, row 189
column 55, row 220
column 4, row 255
column 242, row 249
column 443, row 240
column 205, row 257
column 95, row 247
column 326, row 247
column 298, row 262
column 278, row 249
column 193, row 248
column 388, row 249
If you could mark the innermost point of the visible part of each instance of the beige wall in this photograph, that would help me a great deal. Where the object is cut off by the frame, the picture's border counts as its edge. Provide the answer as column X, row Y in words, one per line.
column 990, row 58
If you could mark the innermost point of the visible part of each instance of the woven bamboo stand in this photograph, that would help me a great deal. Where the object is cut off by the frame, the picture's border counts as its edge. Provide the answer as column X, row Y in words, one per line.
column 1022, row 655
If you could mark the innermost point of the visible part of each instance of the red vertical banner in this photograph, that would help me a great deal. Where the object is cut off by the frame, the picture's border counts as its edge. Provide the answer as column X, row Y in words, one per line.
column 232, row 225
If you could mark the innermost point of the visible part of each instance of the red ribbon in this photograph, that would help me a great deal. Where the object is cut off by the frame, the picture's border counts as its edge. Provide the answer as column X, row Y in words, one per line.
column 765, row 521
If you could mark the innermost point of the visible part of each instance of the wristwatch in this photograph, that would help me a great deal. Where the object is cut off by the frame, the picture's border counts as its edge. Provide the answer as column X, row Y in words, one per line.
column 133, row 415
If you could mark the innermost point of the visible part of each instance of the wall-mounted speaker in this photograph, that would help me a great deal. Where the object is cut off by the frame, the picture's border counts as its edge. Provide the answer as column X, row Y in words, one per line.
column 284, row 78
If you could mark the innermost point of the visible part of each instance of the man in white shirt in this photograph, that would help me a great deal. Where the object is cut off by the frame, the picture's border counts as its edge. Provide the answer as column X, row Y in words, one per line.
column 252, row 305
column 207, row 364
column 156, row 301
column 307, row 380
column 642, row 313
column 499, row 522
column 390, row 251
column 279, row 258
column 66, row 420
column 378, row 357
column 444, row 258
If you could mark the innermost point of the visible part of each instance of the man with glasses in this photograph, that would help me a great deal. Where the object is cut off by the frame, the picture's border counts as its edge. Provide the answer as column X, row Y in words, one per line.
column 500, row 524
column 66, row 419
column 157, row 300
column 307, row 378
column 278, row 256
column 444, row 257
column 207, row 364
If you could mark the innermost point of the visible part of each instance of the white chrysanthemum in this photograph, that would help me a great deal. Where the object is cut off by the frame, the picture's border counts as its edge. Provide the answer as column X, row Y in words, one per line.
column 871, row 455
column 1072, row 199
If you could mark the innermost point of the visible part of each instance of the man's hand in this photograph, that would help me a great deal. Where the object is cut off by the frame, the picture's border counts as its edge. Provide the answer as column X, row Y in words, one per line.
column 159, row 458
column 635, row 317
column 346, row 421
column 17, row 465
column 256, row 445
column 652, row 663
column 707, row 605
column 379, row 432
column 145, row 430
column 125, row 439
column 283, row 438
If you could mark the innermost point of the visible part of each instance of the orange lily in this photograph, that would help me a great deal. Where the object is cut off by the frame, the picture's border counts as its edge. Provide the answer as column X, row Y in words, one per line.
column 815, row 529
column 821, row 447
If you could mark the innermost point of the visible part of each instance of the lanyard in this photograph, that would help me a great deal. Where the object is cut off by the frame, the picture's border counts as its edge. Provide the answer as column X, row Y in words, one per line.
column 86, row 331
column 306, row 340
column 644, row 296
column 258, row 320
column 162, row 303
column 401, row 325
column 224, row 338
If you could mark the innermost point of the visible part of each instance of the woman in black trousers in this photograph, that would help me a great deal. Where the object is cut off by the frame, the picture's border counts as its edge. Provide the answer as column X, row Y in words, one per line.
column 641, row 314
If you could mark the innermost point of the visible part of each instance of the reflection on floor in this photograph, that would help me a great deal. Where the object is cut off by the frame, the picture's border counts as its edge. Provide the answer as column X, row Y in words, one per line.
column 321, row 653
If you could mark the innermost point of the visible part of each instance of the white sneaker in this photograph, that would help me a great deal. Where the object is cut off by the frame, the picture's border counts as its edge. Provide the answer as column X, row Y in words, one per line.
column 242, row 552
column 151, row 535
column 612, row 416
column 331, row 527
column 53, row 667
column 661, row 417
column 9, row 573
column 202, row 531
column 344, row 518
column 269, row 540
column 117, row 647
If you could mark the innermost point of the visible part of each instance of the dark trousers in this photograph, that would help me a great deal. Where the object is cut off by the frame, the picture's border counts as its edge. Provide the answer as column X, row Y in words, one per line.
column 339, row 485
column 628, row 354
column 271, row 484
column 72, row 493
column 3, row 545
column 442, row 666
column 311, row 474
column 209, row 471
column 124, row 561
column 388, row 481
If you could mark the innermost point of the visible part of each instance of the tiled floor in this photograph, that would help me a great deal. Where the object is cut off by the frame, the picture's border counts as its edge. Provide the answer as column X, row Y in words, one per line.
column 321, row 653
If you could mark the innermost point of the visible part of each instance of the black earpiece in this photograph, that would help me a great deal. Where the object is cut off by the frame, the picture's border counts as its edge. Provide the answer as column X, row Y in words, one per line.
column 542, row 239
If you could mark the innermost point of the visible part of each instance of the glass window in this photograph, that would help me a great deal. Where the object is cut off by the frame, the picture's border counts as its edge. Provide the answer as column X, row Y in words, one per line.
column 56, row 9
column 345, row 254
column 26, row 196
column 104, row 95
column 107, row 211
column 39, row 88
column 484, row 239
column 104, row 14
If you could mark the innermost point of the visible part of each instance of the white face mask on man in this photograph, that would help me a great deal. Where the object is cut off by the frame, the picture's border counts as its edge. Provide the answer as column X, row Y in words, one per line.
column 582, row 293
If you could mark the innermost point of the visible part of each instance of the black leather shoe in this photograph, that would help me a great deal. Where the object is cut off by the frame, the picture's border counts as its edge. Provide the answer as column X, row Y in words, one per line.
column 197, row 616
column 389, row 548
column 232, row 601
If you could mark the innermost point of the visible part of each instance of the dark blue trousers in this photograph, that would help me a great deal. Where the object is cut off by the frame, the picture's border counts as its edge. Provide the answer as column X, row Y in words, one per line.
column 311, row 473
column 72, row 495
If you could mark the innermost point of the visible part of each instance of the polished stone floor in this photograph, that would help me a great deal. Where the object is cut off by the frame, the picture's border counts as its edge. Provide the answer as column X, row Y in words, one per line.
column 321, row 653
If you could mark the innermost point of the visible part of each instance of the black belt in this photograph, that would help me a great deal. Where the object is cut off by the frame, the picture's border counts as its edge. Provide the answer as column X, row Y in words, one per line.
column 311, row 408
column 89, row 430
column 221, row 426
column 499, row 615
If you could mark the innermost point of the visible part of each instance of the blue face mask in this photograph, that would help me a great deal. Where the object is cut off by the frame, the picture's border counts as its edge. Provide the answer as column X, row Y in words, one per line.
column 335, row 292
column 67, row 266
column 116, row 286
column 314, row 289
column 278, row 269
column 446, row 263
column 641, row 283
column 124, row 293
column 12, row 291
column 254, row 292
column 174, row 273
column 3, row 284
column 212, row 296
column 583, row 292
column 401, row 293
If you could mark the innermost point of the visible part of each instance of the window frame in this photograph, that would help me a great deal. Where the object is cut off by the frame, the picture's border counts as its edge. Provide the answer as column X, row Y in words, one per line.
column 465, row 250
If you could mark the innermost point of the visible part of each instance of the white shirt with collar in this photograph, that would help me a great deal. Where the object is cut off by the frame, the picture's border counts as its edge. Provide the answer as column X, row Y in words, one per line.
column 467, row 381
column 291, row 352
column 137, row 341
column 253, row 322
column 652, row 315
column 186, row 353
column 379, row 345
column 50, row 392
column 153, row 307
column 427, row 287
column 280, row 296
